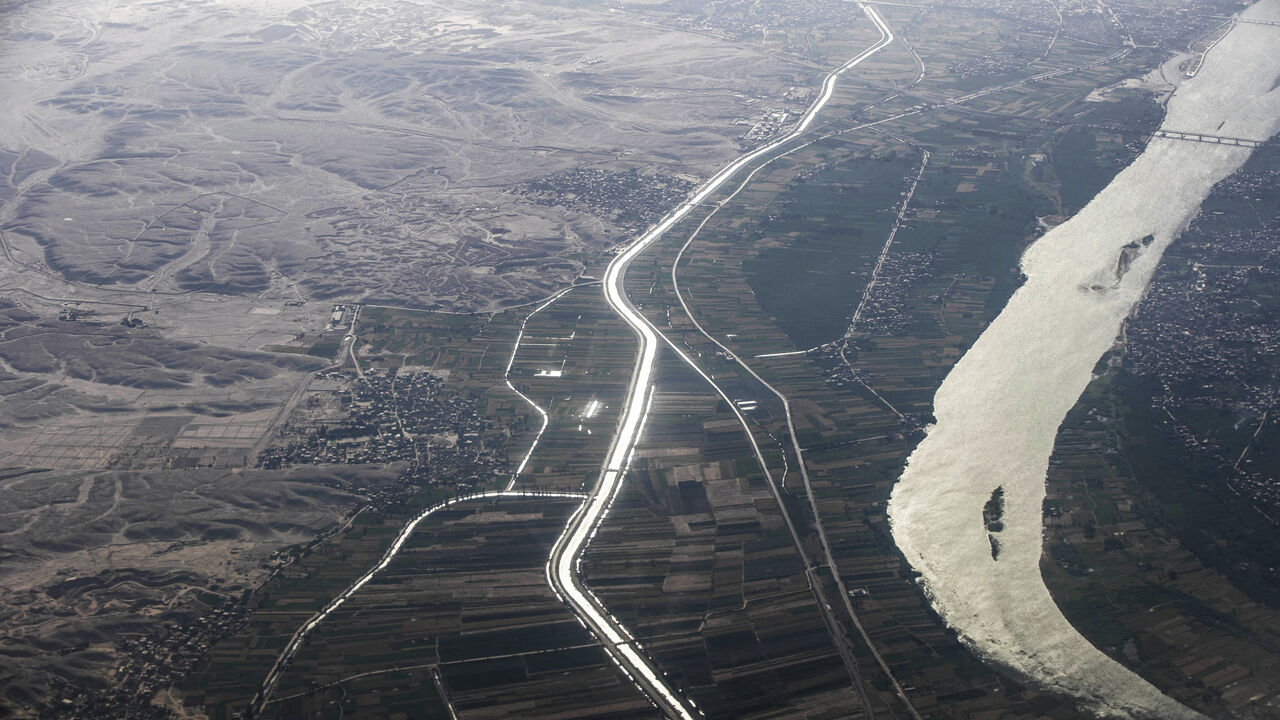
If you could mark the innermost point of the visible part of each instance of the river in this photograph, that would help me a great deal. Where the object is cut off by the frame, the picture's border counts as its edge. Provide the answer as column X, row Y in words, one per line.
column 998, row 411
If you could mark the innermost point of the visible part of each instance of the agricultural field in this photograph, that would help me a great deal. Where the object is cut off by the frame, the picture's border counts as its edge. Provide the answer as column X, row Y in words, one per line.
column 696, row 558
column 433, row 631
column 862, row 388
column 1115, row 560
column 196, row 462
column 1160, row 519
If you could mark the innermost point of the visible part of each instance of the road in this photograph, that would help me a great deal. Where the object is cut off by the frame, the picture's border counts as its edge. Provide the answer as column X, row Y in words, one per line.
column 350, row 342
column 506, row 377
column 810, row 569
column 563, row 567
column 1037, row 78
column 893, row 233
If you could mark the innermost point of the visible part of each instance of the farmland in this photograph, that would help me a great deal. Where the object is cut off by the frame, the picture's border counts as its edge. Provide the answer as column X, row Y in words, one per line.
column 813, row 305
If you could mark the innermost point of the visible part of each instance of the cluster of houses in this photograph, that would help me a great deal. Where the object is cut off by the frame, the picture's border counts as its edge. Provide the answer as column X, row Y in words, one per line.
column 150, row 663
column 1206, row 335
column 398, row 416
column 629, row 198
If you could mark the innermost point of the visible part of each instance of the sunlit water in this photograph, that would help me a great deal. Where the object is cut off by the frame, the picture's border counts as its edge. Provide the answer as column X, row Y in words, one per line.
column 999, row 410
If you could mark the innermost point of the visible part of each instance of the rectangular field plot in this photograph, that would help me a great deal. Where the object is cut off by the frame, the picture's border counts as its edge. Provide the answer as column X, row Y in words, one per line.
column 86, row 447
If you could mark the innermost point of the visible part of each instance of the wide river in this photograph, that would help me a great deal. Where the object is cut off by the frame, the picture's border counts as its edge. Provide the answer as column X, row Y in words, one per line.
column 999, row 410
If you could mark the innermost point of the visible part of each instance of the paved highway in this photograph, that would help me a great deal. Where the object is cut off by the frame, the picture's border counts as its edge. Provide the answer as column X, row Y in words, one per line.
column 563, row 567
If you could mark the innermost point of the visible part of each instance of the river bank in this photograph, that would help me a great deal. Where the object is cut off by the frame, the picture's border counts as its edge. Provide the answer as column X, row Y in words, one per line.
column 999, row 409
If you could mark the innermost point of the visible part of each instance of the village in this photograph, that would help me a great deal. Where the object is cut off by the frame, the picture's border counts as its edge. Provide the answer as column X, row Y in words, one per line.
column 392, row 416
column 1205, row 336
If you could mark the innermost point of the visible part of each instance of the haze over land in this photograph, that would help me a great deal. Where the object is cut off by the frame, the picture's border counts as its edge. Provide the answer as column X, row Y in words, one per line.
column 217, row 171
column 558, row 358
column 343, row 150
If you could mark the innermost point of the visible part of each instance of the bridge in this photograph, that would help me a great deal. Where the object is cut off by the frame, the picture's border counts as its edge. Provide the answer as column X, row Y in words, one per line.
column 1273, row 23
column 1111, row 127
column 1207, row 138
